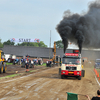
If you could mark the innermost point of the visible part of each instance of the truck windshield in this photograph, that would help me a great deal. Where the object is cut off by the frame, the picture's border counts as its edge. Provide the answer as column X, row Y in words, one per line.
column 71, row 61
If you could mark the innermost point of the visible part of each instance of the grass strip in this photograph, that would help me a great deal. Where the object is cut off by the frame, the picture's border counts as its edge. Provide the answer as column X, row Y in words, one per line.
column 9, row 64
column 10, row 76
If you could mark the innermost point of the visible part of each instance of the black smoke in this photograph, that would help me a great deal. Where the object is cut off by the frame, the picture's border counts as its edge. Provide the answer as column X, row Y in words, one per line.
column 81, row 29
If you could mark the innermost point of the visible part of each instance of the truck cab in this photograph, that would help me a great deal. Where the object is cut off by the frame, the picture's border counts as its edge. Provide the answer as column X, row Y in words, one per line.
column 72, row 66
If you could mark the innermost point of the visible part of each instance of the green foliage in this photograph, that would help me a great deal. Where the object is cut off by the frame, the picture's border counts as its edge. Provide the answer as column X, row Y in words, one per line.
column 41, row 44
column 1, row 44
column 35, row 44
column 59, row 44
column 8, row 43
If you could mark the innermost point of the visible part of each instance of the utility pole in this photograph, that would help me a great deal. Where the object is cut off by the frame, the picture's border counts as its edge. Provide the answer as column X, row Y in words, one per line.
column 50, row 46
column 50, row 38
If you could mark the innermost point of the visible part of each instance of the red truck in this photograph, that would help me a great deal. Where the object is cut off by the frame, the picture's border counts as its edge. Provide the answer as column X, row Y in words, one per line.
column 71, row 66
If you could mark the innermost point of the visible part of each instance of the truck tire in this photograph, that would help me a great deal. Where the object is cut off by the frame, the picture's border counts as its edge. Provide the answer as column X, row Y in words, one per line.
column 1, row 69
column 79, row 77
column 83, row 73
column 59, row 71
column 13, row 62
column 62, row 77
column 5, row 68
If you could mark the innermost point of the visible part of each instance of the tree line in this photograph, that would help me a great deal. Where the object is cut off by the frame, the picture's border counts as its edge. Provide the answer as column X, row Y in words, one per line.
column 59, row 44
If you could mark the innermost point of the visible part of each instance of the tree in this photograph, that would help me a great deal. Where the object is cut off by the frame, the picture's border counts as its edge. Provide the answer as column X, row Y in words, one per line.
column 1, row 44
column 41, row 44
column 59, row 44
column 34, row 44
column 8, row 43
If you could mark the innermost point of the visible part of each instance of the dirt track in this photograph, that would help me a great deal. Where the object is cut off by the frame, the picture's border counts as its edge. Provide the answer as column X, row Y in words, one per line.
column 11, row 69
column 46, row 85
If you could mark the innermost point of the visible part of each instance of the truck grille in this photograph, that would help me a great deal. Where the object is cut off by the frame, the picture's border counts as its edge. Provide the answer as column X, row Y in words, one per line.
column 71, row 68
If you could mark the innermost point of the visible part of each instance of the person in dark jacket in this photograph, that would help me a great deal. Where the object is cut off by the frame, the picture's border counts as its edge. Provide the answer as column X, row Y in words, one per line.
column 96, row 97
column 27, row 66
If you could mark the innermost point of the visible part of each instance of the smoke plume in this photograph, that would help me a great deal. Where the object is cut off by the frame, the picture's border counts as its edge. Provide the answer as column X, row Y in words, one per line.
column 82, row 30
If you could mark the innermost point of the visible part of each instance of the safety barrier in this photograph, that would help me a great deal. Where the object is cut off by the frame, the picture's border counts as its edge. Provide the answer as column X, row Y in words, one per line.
column 97, row 73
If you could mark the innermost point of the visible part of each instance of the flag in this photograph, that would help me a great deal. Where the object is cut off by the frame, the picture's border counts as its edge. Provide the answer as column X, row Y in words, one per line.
column 72, row 96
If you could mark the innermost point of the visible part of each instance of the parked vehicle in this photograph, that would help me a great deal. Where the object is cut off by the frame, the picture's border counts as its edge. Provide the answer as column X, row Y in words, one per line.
column 17, row 61
column 11, row 58
column 97, row 63
column 7, row 56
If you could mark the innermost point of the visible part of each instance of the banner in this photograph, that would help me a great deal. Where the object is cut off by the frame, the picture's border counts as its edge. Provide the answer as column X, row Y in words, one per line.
column 24, row 40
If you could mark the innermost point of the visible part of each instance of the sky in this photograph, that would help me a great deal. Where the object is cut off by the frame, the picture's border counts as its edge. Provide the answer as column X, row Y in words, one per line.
column 36, row 18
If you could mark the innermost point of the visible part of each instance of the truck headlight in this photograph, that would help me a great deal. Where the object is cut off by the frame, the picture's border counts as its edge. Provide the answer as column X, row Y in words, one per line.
column 78, row 73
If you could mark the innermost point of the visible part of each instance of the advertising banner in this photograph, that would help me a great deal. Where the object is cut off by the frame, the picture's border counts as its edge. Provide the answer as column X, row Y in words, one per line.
column 24, row 40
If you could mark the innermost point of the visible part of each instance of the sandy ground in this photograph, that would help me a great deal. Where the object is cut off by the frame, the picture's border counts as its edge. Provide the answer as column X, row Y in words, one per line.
column 46, row 85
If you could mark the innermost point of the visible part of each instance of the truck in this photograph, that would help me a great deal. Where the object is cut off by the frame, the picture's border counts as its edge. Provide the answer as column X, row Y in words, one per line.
column 7, row 56
column 97, row 63
column 3, row 66
column 72, row 66
column 11, row 58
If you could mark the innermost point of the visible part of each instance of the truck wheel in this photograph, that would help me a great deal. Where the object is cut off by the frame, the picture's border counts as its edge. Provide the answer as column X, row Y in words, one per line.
column 83, row 73
column 62, row 77
column 5, row 69
column 59, row 71
column 13, row 63
column 1, row 69
column 79, row 78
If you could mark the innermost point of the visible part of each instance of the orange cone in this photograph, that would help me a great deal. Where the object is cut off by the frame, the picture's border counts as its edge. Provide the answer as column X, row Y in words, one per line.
column 97, row 74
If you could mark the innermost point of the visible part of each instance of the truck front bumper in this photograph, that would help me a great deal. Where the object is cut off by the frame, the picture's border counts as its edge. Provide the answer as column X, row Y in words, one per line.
column 70, row 73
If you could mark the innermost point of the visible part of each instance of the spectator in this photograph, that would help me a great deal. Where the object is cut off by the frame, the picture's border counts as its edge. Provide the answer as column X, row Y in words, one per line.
column 47, row 63
column 95, row 98
column 36, row 61
column 27, row 66
column 32, row 63
column 22, row 60
column 50, row 62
